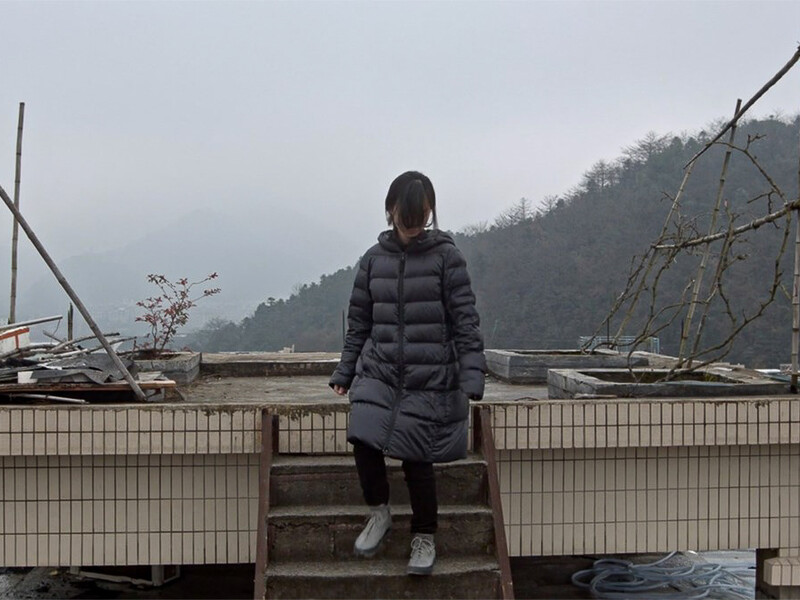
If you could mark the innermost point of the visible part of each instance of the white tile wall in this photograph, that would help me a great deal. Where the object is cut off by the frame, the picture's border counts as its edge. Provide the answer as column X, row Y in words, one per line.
column 179, row 483
column 119, row 510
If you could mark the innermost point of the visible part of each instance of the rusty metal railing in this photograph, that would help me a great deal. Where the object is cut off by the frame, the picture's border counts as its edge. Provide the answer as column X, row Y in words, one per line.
column 306, row 429
column 269, row 438
column 483, row 442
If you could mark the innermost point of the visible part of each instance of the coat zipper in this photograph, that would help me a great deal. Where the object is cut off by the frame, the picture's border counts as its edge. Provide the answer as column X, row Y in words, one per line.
column 401, row 374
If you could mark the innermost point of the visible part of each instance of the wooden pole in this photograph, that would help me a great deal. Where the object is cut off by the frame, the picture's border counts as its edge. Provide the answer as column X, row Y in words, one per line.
column 12, row 305
column 73, row 296
column 652, row 258
column 698, row 282
column 740, row 113
column 31, row 322
column 796, row 292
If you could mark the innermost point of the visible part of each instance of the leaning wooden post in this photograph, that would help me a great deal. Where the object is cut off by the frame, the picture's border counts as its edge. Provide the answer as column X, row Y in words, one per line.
column 12, row 305
column 620, row 301
column 698, row 282
column 72, row 296
column 796, row 291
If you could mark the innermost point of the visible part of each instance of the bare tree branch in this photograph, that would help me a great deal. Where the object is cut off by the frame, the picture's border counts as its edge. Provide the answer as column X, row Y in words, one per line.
column 740, row 113
column 754, row 224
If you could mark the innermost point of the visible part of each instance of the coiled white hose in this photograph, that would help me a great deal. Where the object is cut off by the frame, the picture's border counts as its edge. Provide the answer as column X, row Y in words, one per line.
column 618, row 579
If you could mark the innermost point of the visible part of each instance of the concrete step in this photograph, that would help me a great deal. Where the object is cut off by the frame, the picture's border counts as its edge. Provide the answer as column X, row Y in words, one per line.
column 327, row 533
column 462, row 577
column 332, row 479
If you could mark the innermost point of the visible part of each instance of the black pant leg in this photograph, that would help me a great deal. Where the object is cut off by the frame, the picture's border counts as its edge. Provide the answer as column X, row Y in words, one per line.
column 372, row 474
column 421, row 483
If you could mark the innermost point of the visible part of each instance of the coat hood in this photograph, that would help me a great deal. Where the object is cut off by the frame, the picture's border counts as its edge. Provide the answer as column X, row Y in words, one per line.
column 426, row 240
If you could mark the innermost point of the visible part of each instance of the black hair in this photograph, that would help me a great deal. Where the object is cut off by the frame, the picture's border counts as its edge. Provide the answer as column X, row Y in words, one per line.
column 410, row 194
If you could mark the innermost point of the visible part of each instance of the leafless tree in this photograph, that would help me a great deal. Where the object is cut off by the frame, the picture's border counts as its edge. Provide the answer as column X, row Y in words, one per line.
column 519, row 212
column 715, row 251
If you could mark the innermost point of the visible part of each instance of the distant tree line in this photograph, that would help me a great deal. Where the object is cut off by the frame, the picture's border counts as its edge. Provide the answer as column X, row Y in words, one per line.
column 546, row 273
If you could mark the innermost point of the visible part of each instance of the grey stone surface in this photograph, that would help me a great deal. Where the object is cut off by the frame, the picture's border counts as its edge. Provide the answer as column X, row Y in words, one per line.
column 531, row 366
column 269, row 364
column 462, row 577
column 332, row 480
column 180, row 367
column 622, row 383
column 317, row 511
column 312, row 389
column 311, row 534
column 196, row 581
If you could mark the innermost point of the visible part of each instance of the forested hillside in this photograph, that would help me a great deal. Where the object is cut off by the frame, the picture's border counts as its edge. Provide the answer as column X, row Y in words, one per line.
column 546, row 273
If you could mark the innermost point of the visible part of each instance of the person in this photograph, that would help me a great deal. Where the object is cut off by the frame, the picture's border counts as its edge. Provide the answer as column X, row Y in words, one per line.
column 412, row 360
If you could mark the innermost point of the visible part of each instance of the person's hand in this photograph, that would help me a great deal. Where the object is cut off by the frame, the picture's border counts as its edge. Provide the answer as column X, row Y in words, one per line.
column 342, row 391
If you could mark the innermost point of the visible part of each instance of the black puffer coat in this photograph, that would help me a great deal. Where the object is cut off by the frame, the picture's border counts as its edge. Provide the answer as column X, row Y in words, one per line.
column 413, row 355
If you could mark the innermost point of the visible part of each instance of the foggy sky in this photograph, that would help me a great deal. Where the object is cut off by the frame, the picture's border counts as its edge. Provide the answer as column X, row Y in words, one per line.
column 296, row 116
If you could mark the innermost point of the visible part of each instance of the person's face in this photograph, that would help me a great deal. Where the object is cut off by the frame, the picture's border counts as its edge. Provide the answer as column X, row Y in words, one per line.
column 407, row 234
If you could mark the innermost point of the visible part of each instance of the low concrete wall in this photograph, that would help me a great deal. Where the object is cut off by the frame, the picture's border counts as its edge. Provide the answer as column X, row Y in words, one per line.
column 177, row 484
column 531, row 366
column 259, row 364
column 708, row 382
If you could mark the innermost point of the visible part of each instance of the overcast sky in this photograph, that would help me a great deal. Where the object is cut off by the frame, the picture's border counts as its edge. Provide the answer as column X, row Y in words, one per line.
column 303, row 112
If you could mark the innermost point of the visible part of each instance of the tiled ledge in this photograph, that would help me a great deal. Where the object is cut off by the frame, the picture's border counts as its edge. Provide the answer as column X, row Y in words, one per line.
column 162, row 429
column 640, row 423
column 152, row 429
column 782, row 571
column 206, row 428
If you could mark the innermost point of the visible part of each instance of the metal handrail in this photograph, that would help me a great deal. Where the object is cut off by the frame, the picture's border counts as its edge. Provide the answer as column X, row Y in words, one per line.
column 483, row 442
column 269, row 442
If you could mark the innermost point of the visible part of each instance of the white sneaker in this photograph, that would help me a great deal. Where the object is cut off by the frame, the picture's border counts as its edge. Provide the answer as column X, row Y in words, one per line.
column 369, row 541
column 423, row 554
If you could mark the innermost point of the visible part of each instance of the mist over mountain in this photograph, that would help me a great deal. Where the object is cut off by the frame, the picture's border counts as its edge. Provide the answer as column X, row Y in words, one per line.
column 251, row 265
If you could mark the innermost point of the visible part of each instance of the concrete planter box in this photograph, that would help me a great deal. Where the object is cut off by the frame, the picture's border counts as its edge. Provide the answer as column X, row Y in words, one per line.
column 644, row 383
column 181, row 367
column 269, row 364
column 531, row 366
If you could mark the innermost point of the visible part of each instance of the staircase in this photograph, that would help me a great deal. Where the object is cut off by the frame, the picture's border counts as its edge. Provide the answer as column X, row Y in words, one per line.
column 316, row 511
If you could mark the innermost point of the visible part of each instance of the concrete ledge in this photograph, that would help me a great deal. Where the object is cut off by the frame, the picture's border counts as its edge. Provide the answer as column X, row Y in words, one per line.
column 181, row 367
column 531, row 366
column 782, row 571
column 268, row 364
column 643, row 383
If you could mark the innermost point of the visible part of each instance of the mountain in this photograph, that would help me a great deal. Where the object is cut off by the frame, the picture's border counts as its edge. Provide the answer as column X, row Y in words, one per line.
column 545, row 277
column 252, row 265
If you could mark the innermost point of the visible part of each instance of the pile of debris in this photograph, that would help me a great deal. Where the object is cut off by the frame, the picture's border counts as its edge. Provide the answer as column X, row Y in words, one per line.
column 61, row 371
column 68, row 370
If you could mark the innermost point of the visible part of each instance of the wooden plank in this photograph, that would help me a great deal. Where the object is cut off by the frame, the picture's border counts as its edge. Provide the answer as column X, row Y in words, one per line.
column 7, row 388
